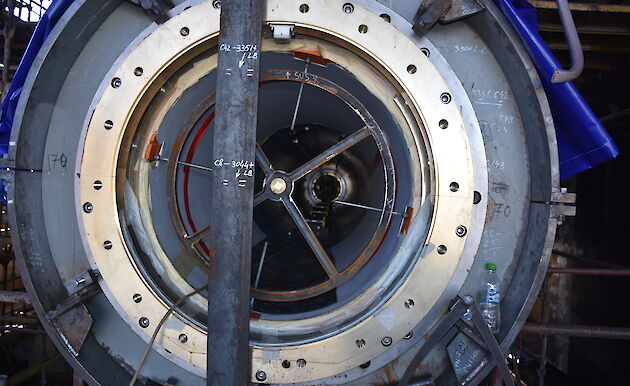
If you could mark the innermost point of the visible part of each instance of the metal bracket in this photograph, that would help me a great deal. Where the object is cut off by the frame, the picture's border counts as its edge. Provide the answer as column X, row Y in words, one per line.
column 82, row 281
column 157, row 9
column 443, row 11
column 461, row 9
column 463, row 308
column 71, row 319
column 282, row 33
column 562, row 204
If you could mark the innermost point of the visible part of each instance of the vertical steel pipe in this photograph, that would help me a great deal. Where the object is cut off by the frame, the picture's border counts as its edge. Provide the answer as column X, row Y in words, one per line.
column 232, row 192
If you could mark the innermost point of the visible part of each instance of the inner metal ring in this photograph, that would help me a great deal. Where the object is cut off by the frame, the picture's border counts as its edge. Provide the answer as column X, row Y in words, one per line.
column 371, row 129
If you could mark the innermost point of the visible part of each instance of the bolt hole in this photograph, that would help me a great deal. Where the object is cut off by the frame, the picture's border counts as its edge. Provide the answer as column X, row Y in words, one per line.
column 138, row 71
column 360, row 343
column 454, row 187
column 304, row 8
column 183, row 338
column 386, row 17
column 116, row 82
column 443, row 124
column 286, row 364
column 441, row 249
column 348, row 8
column 363, row 28
column 98, row 185
column 184, row 31
column 137, row 298
column 109, row 125
column 301, row 362
column 409, row 303
column 412, row 69
column 107, row 245
column 365, row 365
column 445, row 98
column 476, row 197
column 425, row 51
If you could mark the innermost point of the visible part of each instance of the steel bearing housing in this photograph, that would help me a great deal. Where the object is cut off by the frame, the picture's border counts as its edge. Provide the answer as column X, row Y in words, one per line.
column 446, row 138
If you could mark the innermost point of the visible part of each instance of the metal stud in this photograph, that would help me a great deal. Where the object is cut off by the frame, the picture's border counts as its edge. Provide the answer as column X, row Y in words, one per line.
column 261, row 376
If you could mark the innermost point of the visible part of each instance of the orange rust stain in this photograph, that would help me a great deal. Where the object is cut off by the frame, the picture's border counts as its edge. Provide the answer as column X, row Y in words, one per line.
column 314, row 56
column 391, row 378
column 153, row 149
column 254, row 315
column 490, row 211
column 407, row 221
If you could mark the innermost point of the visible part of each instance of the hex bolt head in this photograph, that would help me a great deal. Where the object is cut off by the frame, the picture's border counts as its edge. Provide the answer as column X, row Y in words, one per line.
column 261, row 376
column 461, row 231
column 348, row 8
column 467, row 299
column 386, row 341
column 467, row 316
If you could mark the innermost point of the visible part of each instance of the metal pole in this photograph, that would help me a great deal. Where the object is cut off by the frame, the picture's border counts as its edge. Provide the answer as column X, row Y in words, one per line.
column 14, row 297
column 577, row 331
column 9, row 31
column 232, row 192
column 590, row 271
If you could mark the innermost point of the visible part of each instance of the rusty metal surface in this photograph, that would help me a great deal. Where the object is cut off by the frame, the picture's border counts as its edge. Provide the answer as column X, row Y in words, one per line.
column 73, row 327
column 14, row 297
column 590, row 271
column 577, row 331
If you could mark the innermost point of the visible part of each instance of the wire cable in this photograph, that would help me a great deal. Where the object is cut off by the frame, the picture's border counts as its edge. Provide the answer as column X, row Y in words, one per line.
column 157, row 330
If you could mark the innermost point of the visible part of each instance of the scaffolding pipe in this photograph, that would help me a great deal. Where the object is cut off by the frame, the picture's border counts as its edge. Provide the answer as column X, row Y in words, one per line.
column 14, row 297
column 590, row 271
column 580, row 331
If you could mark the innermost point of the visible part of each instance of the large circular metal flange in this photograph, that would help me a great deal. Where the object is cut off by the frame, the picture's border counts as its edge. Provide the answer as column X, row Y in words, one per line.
column 425, row 100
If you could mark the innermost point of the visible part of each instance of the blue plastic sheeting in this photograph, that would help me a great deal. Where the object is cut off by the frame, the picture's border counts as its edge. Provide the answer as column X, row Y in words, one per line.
column 45, row 25
column 583, row 142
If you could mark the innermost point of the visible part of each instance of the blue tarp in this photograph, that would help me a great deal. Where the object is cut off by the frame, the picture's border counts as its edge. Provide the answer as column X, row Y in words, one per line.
column 582, row 140
column 45, row 25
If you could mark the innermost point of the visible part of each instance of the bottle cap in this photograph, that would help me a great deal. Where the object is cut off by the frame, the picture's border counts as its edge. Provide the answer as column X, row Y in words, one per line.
column 491, row 266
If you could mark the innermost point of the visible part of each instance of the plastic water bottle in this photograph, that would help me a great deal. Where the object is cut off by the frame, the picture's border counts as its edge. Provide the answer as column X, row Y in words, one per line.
column 491, row 298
